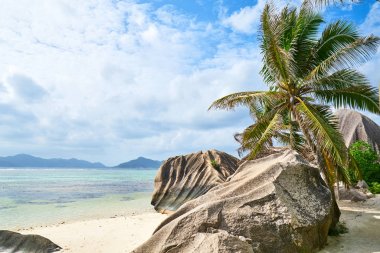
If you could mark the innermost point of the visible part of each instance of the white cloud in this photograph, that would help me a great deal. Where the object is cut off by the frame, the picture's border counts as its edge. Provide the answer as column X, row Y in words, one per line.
column 247, row 19
column 371, row 25
column 111, row 81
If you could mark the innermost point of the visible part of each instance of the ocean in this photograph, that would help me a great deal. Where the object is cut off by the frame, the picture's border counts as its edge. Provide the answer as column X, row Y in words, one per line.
column 34, row 197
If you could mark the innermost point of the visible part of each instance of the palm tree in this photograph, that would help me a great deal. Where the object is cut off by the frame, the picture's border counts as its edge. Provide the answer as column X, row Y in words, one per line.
column 307, row 74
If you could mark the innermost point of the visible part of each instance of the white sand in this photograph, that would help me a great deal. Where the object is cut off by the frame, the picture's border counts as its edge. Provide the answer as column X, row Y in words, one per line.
column 123, row 234
column 119, row 234
column 363, row 223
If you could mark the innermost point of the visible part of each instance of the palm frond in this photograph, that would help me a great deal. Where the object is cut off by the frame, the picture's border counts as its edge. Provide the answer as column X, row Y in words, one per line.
column 296, row 140
column 343, row 175
column 276, row 59
column 353, row 166
column 362, row 97
column 253, row 133
column 330, row 171
column 304, row 37
column 340, row 79
column 260, row 135
column 337, row 172
column 326, row 135
column 348, row 56
column 246, row 98
column 257, row 110
column 242, row 149
column 288, row 21
column 292, row 139
column 335, row 36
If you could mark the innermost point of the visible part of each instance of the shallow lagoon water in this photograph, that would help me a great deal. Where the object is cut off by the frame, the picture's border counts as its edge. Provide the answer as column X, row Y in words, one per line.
column 34, row 197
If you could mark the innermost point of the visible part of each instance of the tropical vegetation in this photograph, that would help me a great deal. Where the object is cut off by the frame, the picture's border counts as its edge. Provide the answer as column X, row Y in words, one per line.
column 369, row 163
column 308, row 71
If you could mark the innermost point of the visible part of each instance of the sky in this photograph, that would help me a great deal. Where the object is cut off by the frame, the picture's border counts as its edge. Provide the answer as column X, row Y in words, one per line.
column 108, row 80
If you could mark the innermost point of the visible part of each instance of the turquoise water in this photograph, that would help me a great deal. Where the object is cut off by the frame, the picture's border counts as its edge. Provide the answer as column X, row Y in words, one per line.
column 34, row 197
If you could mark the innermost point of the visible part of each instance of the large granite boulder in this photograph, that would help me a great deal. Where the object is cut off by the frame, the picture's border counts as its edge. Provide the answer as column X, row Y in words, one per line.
column 15, row 242
column 187, row 177
column 277, row 203
column 355, row 126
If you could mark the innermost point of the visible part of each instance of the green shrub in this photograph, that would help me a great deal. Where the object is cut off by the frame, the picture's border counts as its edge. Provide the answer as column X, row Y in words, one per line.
column 368, row 162
column 215, row 164
column 375, row 187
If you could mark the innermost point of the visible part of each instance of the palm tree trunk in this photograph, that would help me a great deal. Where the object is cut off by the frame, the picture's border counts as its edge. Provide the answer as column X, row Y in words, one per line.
column 335, row 209
column 323, row 168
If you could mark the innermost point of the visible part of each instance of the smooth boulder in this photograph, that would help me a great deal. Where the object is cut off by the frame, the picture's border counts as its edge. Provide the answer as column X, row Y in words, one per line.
column 360, row 192
column 277, row 203
column 352, row 194
column 355, row 126
column 183, row 178
column 15, row 242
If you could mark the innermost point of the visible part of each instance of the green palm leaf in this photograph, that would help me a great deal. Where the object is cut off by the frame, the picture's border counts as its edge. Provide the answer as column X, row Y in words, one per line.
column 340, row 79
column 335, row 36
column 327, row 137
column 360, row 97
column 253, row 133
column 296, row 141
column 353, row 166
column 246, row 98
column 262, row 133
column 303, row 37
column 275, row 57
column 348, row 56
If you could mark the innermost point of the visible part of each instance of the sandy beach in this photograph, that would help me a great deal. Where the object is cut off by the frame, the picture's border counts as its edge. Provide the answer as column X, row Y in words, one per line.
column 363, row 223
column 115, row 234
column 124, row 233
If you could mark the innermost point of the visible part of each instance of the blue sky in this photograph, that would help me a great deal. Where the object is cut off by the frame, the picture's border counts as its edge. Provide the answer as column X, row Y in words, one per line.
column 110, row 80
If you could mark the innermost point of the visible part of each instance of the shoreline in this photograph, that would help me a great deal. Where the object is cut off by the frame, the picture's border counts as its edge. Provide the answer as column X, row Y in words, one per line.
column 30, row 215
column 114, row 234
column 80, row 220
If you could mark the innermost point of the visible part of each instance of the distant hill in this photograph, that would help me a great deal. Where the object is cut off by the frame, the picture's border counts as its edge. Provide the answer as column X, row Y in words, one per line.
column 141, row 162
column 23, row 160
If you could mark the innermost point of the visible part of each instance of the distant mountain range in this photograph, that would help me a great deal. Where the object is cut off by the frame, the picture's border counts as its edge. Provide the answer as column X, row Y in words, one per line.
column 141, row 162
column 23, row 161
